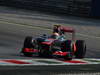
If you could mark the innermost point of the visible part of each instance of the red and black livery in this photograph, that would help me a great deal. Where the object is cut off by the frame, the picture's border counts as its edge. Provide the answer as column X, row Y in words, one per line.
column 50, row 47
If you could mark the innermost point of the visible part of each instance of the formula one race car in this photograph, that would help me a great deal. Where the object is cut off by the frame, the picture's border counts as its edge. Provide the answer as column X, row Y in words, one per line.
column 55, row 45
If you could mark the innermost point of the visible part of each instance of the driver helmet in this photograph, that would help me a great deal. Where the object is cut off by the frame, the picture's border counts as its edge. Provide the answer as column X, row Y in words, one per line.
column 55, row 35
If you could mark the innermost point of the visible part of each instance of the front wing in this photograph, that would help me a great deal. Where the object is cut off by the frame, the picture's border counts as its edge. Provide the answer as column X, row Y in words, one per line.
column 34, row 51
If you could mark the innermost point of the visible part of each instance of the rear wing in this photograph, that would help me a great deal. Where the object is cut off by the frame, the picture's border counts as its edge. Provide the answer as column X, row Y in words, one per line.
column 69, row 30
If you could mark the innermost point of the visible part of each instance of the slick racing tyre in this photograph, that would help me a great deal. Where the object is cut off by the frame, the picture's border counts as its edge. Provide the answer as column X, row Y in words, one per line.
column 81, row 49
column 66, row 47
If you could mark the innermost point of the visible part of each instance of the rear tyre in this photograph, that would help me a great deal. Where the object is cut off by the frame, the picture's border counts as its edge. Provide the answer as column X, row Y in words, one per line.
column 66, row 47
column 81, row 49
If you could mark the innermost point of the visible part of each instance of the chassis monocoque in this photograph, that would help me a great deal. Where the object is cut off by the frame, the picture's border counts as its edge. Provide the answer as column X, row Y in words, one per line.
column 50, row 47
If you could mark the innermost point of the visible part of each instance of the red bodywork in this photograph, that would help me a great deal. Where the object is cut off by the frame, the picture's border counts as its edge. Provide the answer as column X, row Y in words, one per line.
column 60, row 53
column 48, row 42
column 30, row 50
column 67, row 29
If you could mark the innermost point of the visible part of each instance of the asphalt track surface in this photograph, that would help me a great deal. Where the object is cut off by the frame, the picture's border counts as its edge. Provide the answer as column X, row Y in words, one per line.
column 16, row 24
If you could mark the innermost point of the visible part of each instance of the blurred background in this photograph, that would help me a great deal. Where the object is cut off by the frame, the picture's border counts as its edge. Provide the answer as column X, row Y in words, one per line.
column 84, row 8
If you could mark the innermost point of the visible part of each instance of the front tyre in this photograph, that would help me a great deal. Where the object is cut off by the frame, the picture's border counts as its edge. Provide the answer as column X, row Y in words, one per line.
column 27, row 44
